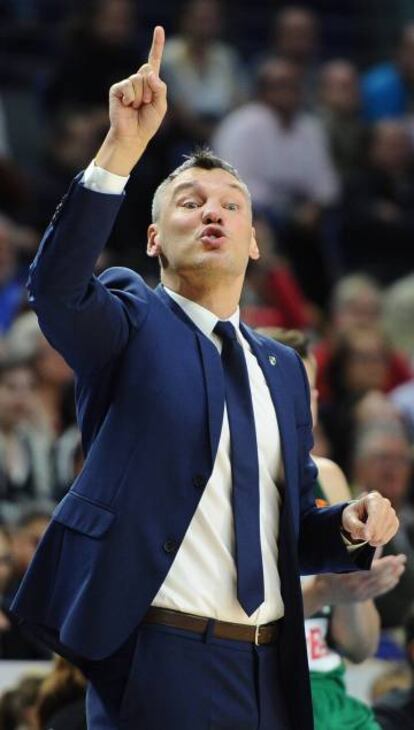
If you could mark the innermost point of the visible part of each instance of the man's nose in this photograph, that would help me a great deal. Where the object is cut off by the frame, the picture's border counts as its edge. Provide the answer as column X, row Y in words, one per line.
column 211, row 214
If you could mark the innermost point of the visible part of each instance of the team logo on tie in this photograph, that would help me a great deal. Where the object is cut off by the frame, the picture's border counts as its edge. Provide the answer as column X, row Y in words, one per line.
column 272, row 359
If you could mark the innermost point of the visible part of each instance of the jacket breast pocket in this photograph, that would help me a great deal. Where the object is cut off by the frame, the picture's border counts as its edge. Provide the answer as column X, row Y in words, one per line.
column 84, row 516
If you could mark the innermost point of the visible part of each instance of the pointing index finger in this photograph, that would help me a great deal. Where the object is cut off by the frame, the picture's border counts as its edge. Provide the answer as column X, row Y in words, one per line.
column 157, row 47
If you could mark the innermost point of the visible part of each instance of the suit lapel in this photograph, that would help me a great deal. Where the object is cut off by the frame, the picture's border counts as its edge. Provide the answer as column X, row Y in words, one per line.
column 212, row 369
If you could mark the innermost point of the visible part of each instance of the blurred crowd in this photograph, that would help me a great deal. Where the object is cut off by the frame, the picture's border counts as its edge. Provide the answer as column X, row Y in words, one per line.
column 326, row 146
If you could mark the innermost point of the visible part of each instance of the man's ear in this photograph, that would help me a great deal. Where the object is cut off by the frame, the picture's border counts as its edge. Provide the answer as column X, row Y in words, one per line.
column 254, row 252
column 153, row 241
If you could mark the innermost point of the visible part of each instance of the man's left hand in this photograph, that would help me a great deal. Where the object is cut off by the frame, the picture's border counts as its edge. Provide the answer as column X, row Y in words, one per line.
column 371, row 518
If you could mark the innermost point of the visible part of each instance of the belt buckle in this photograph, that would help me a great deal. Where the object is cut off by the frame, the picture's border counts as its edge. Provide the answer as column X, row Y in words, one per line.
column 257, row 636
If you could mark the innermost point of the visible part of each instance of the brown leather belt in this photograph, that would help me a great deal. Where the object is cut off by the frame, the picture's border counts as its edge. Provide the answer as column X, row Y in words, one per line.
column 264, row 634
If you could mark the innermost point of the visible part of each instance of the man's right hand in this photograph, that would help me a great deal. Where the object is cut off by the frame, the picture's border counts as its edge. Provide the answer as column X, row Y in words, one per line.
column 137, row 106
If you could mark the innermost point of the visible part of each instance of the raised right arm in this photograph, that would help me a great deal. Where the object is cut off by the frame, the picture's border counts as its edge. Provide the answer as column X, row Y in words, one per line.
column 84, row 317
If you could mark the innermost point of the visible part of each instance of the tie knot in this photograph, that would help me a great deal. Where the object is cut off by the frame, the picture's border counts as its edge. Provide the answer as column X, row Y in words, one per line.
column 225, row 330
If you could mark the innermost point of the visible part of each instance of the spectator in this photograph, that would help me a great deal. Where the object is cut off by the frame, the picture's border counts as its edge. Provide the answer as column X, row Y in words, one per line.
column 383, row 462
column 101, row 47
column 403, row 399
column 25, row 468
column 388, row 89
column 296, row 38
column 378, row 206
column 356, row 302
column 72, row 138
column 61, row 699
column 340, row 615
column 359, row 366
column 11, row 278
column 272, row 296
column 25, row 536
column 282, row 154
column 395, row 711
column 339, row 111
column 8, row 710
column 17, row 705
column 399, row 314
column 71, row 143
column 54, row 379
column 204, row 75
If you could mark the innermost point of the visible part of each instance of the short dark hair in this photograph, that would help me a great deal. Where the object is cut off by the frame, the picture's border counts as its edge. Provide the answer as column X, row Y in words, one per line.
column 203, row 158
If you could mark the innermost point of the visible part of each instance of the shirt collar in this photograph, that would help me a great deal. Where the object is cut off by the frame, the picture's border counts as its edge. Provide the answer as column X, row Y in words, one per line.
column 202, row 317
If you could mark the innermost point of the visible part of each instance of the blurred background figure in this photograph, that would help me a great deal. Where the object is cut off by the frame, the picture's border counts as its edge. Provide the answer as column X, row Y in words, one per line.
column 282, row 154
column 204, row 73
column 395, row 711
column 388, row 88
column 358, row 370
column 102, row 44
column 69, row 146
column 272, row 296
column 383, row 461
column 339, row 107
column 26, row 471
column 61, row 699
column 356, row 303
column 399, row 314
column 17, row 705
column 378, row 206
column 25, row 535
column 12, row 277
column 340, row 617
column 54, row 410
column 296, row 37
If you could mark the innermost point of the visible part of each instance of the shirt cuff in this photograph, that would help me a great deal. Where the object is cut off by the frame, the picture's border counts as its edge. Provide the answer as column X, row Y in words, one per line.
column 101, row 181
column 352, row 546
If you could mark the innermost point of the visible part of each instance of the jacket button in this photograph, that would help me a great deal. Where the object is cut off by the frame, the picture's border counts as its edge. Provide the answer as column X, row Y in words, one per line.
column 170, row 546
column 199, row 481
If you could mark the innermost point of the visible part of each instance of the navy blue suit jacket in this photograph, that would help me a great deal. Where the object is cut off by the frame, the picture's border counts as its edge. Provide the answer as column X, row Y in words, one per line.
column 150, row 399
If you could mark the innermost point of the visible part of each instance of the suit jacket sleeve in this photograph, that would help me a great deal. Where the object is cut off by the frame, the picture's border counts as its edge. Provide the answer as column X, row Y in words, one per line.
column 83, row 317
column 321, row 546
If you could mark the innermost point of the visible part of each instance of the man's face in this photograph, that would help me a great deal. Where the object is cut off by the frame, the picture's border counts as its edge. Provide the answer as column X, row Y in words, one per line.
column 282, row 87
column 16, row 394
column 363, row 310
column 204, row 227
column 386, row 467
column 339, row 89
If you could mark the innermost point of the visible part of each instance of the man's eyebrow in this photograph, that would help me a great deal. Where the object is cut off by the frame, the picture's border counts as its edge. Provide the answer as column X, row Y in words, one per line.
column 196, row 185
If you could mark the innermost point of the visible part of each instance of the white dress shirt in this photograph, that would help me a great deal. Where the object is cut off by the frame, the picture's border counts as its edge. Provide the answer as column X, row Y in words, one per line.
column 202, row 579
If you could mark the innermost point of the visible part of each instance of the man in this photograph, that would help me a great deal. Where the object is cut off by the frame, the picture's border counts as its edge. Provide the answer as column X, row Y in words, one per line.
column 281, row 151
column 162, row 563
column 282, row 154
column 387, row 88
column 383, row 457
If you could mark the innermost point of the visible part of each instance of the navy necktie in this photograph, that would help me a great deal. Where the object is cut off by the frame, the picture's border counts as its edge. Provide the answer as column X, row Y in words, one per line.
column 245, row 470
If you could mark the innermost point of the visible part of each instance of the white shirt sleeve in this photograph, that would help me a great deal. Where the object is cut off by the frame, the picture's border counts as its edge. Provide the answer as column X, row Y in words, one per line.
column 101, row 181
